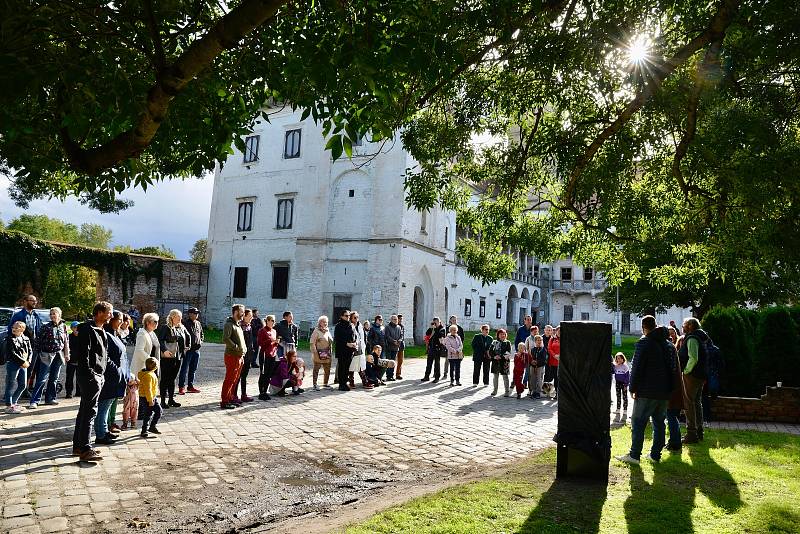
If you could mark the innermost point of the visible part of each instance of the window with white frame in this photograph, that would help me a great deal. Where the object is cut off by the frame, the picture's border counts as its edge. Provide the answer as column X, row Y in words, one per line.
column 285, row 213
column 251, row 148
column 292, row 146
column 244, row 222
column 482, row 307
column 467, row 307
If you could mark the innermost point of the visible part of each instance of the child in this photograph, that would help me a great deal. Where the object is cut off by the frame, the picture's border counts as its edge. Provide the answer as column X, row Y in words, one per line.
column 130, row 405
column 371, row 371
column 622, row 377
column 455, row 353
column 18, row 352
column 297, row 371
column 538, row 362
column 522, row 359
column 148, row 397
column 500, row 353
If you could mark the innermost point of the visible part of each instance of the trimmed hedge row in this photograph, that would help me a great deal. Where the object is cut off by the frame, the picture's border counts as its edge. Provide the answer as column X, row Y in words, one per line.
column 760, row 347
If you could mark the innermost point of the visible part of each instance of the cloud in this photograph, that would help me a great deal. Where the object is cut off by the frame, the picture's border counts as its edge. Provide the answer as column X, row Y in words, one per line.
column 173, row 212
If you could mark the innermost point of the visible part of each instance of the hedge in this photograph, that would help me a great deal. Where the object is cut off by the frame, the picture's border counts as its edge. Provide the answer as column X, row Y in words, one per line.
column 760, row 347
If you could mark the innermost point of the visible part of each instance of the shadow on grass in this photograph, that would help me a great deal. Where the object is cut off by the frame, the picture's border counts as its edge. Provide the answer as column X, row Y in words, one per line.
column 568, row 504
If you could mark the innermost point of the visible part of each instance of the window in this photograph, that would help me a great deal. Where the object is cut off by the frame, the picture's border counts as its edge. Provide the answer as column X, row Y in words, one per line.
column 566, row 274
column 567, row 312
column 245, row 221
column 285, row 212
column 240, row 282
column 499, row 314
column 468, row 308
column 584, row 316
column 280, row 281
column 446, row 235
column 351, row 193
column 588, row 274
column 251, row 149
column 292, row 147
column 482, row 308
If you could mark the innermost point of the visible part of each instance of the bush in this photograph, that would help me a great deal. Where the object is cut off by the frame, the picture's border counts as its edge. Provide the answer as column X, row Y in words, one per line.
column 777, row 354
column 732, row 333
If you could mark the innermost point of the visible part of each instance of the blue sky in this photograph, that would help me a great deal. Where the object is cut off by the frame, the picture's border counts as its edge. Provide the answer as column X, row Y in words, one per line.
column 174, row 213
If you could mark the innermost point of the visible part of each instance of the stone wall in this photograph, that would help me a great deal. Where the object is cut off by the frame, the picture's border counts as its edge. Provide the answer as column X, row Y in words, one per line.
column 778, row 405
column 184, row 284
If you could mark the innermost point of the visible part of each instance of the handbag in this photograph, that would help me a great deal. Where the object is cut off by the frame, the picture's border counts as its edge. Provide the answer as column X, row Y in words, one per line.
column 324, row 354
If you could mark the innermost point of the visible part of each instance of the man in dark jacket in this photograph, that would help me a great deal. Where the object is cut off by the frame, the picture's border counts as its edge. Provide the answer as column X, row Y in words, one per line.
column 694, row 365
column 480, row 355
column 651, row 385
column 435, row 350
column 394, row 336
column 344, row 341
column 91, row 354
column 287, row 334
column 257, row 324
column 192, row 356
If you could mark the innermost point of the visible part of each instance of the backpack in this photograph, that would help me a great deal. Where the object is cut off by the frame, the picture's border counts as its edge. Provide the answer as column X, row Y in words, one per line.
column 3, row 348
column 715, row 363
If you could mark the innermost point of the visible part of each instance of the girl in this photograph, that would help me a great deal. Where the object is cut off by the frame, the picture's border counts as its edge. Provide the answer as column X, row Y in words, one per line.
column 538, row 363
column 500, row 353
column 522, row 359
column 554, row 351
column 622, row 377
column 18, row 357
column 455, row 353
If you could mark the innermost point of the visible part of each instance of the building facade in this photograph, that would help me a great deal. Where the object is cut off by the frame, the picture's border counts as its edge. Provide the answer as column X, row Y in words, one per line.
column 291, row 229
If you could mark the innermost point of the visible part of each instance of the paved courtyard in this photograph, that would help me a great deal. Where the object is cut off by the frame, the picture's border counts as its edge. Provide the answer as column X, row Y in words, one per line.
column 205, row 454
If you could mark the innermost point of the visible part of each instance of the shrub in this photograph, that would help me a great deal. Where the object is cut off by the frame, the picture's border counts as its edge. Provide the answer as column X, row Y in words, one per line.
column 733, row 335
column 777, row 354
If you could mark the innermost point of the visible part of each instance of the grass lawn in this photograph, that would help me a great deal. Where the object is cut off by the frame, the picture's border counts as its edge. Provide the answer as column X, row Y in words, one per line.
column 733, row 482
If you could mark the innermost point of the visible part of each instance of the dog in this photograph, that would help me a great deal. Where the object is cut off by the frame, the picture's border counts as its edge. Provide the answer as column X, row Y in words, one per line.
column 549, row 390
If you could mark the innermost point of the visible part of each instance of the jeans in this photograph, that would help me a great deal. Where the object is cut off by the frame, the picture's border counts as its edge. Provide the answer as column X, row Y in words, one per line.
column 433, row 361
column 46, row 381
column 268, row 365
column 480, row 366
column 71, row 368
column 90, row 385
column 14, row 373
column 151, row 413
column 101, row 419
column 455, row 370
column 246, row 362
column 188, row 368
column 391, row 354
column 643, row 411
column 674, row 427
column 692, row 404
column 170, row 367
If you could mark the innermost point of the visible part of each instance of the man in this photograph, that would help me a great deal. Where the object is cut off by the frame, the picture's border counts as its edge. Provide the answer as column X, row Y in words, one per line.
column 481, row 359
column 344, row 341
column 256, row 324
column 673, row 325
column 361, row 347
column 235, row 348
column 249, row 355
column 134, row 314
column 694, row 361
column 91, row 353
column 72, row 364
column 398, row 372
column 287, row 334
column 435, row 350
column 650, row 386
column 524, row 331
column 394, row 336
column 192, row 357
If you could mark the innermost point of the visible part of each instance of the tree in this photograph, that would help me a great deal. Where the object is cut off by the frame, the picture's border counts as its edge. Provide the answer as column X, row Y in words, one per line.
column 659, row 144
column 199, row 252
column 160, row 250
column 99, row 96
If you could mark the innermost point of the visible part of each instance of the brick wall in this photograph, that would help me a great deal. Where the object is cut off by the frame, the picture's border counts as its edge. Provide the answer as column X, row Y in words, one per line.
column 778, row 405
column 184, row 284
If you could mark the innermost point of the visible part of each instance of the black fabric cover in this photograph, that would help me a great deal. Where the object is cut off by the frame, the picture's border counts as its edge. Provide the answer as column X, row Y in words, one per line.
column 584, row 388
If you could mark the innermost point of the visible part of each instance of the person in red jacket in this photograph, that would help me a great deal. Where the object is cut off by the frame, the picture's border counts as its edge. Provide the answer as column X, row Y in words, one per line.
column 554, row 350
column 268, row 343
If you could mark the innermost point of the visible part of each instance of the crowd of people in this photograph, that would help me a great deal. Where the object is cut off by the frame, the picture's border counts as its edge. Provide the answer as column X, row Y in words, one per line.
column 666, row 375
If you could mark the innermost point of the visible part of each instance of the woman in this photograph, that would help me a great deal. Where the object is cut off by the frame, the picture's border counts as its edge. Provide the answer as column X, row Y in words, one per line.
column 359, row 361
column 554, row 350
column 116, row 380
column 675, row 404
column 321, row 344
column 268, row 345
column 247, row 329
column 147, row 346
column 53, row 354
column 173, row 340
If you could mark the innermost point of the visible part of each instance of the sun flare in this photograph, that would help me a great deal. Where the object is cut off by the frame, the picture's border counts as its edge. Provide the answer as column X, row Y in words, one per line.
column 638, row 50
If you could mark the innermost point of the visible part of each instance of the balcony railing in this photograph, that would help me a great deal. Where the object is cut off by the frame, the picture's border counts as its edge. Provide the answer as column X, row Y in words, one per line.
column 579, row 285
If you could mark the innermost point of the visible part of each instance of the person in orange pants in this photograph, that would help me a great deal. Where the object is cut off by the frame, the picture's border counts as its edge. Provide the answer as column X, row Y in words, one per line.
column 235, row 348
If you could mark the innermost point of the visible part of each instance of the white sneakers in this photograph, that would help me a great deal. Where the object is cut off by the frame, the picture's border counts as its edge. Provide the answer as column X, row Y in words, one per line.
column 628, row 459
column 14, row 409
column 33, row 406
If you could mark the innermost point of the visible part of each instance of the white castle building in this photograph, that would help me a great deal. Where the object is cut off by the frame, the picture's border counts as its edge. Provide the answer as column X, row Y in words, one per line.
column 291, row 229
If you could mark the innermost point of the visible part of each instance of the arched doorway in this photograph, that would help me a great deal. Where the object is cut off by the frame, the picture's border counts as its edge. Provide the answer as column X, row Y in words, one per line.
column 524, row 305
column 419, row 320
column 513, row 297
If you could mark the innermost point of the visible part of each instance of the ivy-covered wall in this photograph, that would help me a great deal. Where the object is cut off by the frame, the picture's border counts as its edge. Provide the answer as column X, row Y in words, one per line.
column 25, row 263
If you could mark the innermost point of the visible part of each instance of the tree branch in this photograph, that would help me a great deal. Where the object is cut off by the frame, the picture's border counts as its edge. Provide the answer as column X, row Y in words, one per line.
column 224, row 35
column 715, row 30
column 158, row 44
